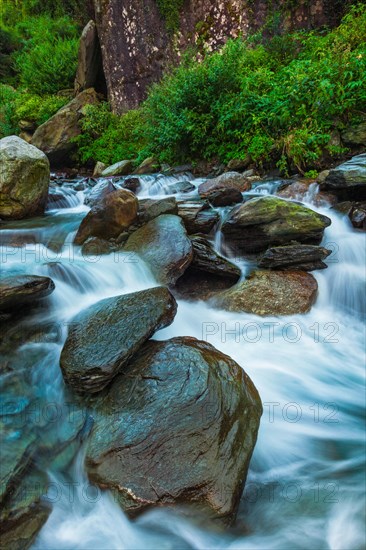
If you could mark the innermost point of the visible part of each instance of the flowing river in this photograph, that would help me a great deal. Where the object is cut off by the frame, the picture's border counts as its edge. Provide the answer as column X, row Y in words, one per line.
column 305, row 487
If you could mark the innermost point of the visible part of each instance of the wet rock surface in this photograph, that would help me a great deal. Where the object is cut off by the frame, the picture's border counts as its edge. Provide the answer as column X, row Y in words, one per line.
column 99, row 192
column 348, row 181
column 166, row 430
column 198, row 218
column 103, row 337
column 296, row 256
column 152, row 208
column 208, row 273
column 356, row 212
column 22, row 290
column 265, row 221
column 109, row 216
column 270, row 293
column 164, row 245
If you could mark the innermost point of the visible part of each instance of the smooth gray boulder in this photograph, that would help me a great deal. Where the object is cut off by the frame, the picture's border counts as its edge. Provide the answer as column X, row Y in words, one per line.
column 24, row 180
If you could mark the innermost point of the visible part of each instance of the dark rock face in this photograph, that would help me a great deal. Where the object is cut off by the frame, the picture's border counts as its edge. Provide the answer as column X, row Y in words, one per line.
column 265, row 221
column 348, row 181
column 271, row 293
column 108, row 217
column 356, row 212
column 296, row 256
column 89, row 73
column 198, row 218
column 163, row 244
column 223, row 196
column 206, row 259
column 21, row 290
column 137, row 46
column 23, row 515
column 132, row 184
column 208, row 273
column 104, row 337
column 55, row 137
column 178, row 427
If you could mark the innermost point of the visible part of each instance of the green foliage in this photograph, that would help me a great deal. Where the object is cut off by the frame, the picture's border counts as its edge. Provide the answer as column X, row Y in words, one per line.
column 37, row 109
column 14, row 11
column 170, row 9
column 109, row 138
column 7, row 111
column 278, row 101
column 16, row 106
column 312, row 174
column 48, row 60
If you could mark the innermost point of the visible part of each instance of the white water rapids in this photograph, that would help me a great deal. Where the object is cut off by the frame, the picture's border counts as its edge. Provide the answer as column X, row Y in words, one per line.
column 305, row 488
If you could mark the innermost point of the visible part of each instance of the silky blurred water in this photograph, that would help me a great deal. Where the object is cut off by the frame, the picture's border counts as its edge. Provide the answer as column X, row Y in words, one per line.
column 306, row 486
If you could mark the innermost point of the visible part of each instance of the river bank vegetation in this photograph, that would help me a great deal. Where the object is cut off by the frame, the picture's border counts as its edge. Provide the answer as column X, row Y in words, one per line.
column 281, row 101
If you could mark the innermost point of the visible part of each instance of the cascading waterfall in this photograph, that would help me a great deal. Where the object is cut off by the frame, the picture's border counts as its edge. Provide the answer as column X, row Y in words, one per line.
column 304, row 488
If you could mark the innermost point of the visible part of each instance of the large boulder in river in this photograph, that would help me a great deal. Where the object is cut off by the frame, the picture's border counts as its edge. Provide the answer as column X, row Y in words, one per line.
column 56, row 137
column 178, row 427
column 24, row 180
column 109, row 216
column 23, row 290
column 103, row 337
column 305, row 257
column 164, row 245
column 348, row 181
column 265, row 221
column 270, row 293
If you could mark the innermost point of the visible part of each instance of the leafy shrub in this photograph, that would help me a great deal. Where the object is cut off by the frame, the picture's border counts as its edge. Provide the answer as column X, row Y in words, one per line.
column 278, row 100
column 7, row 111
column 17, row 105
column 48, row 59
column 37, row 109
column 107, row 137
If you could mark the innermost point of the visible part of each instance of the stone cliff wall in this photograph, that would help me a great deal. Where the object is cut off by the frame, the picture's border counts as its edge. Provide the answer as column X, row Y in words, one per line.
column 138, row 42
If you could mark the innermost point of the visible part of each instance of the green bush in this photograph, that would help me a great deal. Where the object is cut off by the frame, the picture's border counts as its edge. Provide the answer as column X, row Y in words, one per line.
column 278, row 101
column 109, row 138
column 8, row 126
column 48, row 60
column 16, row 106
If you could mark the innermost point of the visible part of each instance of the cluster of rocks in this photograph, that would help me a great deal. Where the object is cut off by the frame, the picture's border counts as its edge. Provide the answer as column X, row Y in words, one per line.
column 175, row 414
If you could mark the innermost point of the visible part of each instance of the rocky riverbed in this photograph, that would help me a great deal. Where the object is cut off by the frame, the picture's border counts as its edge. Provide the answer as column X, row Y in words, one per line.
column 152, row 327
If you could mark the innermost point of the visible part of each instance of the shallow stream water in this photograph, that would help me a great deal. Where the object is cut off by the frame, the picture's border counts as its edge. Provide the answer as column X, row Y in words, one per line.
column 305, row 488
